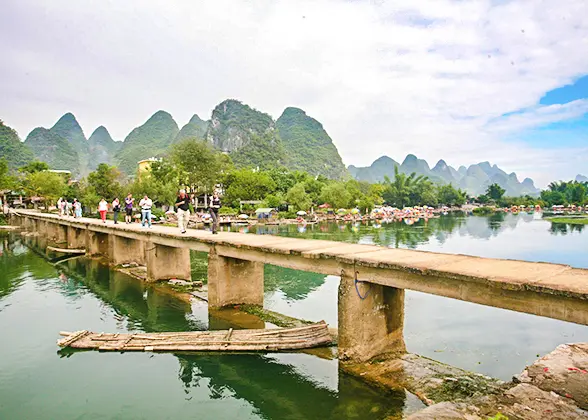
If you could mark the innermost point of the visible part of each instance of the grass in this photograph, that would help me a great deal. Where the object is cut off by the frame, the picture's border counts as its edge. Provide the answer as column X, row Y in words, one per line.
column 569, row 220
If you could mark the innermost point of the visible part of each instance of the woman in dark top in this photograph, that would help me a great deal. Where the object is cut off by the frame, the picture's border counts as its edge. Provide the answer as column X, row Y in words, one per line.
column 215, row 205
column 116, row 209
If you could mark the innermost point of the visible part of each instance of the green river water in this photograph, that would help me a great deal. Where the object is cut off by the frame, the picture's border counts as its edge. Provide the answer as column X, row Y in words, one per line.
column 38, row 299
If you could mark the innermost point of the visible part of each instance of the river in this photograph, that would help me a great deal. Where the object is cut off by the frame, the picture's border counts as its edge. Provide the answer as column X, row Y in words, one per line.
column 38, row 299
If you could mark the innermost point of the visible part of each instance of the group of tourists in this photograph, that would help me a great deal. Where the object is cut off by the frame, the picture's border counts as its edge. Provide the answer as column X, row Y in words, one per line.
column 183, row 210
column 145, row 204
column 182, row 206
column 66, row 208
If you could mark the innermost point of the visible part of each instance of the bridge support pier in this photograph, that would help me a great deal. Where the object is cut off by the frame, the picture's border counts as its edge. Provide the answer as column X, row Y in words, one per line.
column 125, row 250
column 371, row 320
column 58, row 233
column 232, row 281
column 76, row 238
column 97, row 244
column 165, row 262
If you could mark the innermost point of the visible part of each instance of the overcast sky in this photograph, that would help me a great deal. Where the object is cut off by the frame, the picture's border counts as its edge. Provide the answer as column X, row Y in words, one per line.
column 466, row 81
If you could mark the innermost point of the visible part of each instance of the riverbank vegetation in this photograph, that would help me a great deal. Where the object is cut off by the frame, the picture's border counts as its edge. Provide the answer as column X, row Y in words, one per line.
column 195, row 164
column 568, row 220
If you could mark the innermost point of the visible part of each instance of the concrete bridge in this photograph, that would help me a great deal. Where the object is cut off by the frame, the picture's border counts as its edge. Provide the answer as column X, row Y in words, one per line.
column 373, row 278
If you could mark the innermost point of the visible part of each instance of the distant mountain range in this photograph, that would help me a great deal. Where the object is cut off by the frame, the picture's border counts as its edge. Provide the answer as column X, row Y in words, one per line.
column 474, row 180
column 252, row 138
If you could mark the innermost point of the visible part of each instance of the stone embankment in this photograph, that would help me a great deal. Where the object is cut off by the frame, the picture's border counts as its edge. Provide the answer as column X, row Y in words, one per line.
column 554, row 387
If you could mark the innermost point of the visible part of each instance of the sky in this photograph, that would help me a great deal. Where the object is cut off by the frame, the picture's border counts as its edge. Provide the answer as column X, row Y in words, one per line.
column 464, row 81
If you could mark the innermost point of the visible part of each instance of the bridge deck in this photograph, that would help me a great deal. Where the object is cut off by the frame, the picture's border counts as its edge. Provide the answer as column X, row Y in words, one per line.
column 553, row 290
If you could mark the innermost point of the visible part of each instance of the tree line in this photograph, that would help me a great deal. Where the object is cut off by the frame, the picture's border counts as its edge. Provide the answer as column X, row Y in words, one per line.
column 197, row 165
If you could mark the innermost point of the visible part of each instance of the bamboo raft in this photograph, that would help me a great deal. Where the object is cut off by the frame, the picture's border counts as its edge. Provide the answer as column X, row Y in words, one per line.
column 66, row 250
column 227, row 340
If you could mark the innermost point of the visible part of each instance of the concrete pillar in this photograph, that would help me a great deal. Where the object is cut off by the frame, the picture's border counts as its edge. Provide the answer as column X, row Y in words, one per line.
column 97, row 244
column 165, row 262
column 76, row 238
column 27, row 224
column 232, row 281
column 123, row 250
column 371, row 326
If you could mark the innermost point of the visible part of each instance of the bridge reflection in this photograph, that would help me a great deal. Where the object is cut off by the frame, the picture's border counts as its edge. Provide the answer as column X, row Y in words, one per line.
column 278, row 387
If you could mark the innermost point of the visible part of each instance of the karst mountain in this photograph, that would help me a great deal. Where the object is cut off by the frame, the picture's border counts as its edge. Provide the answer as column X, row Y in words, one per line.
column 250, row 137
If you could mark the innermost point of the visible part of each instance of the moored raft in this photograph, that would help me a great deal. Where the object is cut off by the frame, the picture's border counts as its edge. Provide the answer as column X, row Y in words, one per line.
column 278, row 339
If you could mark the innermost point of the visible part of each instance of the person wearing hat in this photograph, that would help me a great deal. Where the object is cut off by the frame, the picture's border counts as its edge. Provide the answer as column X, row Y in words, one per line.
column 183, row 210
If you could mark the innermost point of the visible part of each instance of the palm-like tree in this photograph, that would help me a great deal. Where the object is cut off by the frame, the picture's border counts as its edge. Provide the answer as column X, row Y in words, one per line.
column 399, row 191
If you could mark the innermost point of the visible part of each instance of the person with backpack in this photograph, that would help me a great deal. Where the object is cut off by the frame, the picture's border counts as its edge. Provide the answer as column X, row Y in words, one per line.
column 214, row 207
column 116, row 210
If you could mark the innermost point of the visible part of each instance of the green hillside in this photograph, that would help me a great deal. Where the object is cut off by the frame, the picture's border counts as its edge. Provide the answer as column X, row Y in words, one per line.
column 233, row 124
column 12, row 149
column 196, row 127
column 68, row 128
column 249, row 136
column 53, row 149
column 307, row 145
column 148, row 140
column 101, row 147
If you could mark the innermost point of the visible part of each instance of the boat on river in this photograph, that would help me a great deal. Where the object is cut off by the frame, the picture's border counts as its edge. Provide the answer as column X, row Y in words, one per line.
column 277, row 339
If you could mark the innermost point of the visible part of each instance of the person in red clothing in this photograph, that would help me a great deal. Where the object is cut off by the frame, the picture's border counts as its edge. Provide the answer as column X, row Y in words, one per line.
column 103, row 209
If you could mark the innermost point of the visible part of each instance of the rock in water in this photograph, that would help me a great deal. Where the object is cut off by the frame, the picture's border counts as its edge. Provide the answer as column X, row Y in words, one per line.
column 563, row 371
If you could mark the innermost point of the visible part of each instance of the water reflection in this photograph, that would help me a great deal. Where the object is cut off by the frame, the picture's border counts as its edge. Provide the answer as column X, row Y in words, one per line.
column 275, row 386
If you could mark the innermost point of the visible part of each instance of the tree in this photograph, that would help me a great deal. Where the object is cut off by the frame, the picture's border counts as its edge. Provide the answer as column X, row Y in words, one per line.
column 161, row 191
column 245, row 184
column 576, row 193
column 449, row 196
column 283, row 178
column 298, row 198
column 47, row 185
column 199, row 165
column 105, row 181
column 495, row 192
column 34, row 166
column 6, row 180
column 335, row 194
column 274, row 200
column 399, row 191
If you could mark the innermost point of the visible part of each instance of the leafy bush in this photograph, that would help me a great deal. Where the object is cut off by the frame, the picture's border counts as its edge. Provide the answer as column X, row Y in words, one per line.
column 483, row 210
column 227, row 211
column 287, row 215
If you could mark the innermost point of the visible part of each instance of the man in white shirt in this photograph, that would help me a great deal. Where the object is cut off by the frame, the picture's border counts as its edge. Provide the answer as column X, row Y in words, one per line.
column 146, row 205
column 183, row 210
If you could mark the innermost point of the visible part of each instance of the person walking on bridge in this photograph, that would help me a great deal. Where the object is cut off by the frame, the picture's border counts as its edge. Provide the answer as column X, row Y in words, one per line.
column 215, row 205
column 183, row 210
column 116, row 210
column 146, row 203
column 103, row 209
column 129, row 201
column 77, row 207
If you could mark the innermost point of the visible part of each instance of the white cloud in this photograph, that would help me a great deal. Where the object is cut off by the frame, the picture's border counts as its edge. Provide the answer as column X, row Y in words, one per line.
column 429, row 77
